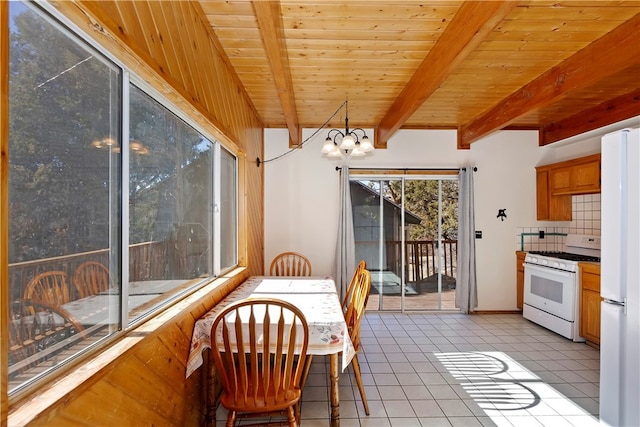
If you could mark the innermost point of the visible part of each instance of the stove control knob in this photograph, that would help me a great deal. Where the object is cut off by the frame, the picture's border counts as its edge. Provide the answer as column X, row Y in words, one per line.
column 544, row 262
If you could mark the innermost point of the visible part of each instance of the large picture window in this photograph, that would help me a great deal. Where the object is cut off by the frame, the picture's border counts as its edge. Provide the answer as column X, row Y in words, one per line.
column 117, row 203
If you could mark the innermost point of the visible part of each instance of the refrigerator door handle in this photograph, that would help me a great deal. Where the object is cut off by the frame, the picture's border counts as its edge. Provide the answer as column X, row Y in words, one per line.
column 622, row 304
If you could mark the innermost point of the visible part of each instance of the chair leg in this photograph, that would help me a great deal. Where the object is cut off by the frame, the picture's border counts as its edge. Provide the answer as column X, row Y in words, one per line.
column 305, row 371
column 291, row 417
column 303, row 381
column 356, row 370
column 231, row 418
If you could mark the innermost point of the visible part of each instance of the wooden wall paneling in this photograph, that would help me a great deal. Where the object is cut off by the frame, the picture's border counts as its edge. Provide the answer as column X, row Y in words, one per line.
column 178, row 336
column 135, row 381
column 157, row 357
column 115, row 408
column 150, row 34
column 221, row 88
column 4, row 210
column 202, row 64
column 243, row 228
column 128, row 19
column 166, row 36
column 255, row 208
column 211, row 75
column 196, row 62
column 189, row 69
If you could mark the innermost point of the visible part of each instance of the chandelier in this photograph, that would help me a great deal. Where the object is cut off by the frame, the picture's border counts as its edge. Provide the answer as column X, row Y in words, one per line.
column 110, row 143
column 349, row 143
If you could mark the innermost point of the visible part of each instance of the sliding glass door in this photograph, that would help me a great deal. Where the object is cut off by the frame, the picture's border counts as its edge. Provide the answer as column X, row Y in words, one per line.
column 406, row 230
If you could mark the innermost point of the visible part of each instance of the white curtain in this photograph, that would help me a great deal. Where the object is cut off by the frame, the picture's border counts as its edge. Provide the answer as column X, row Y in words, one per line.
column 345, row 248
column 466, row 286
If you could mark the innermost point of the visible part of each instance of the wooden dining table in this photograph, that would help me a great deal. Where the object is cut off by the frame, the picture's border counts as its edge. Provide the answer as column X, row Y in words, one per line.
column 318, row 300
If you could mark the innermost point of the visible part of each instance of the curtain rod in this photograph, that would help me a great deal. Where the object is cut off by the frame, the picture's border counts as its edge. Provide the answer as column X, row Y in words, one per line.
column 475, row 169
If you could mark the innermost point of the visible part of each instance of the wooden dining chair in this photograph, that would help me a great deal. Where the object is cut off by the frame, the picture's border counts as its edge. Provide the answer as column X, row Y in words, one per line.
column 45, row 295
column 353, row 316
column 48, row 292
column 362, row 265
column 290, row 264
column 259, row 348
column 91, row 278
column 50, row 288
column 35, row 326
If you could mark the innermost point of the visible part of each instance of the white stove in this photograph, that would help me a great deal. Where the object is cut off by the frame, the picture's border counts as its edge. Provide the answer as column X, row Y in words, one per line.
column 551, row 284
column 578, row 248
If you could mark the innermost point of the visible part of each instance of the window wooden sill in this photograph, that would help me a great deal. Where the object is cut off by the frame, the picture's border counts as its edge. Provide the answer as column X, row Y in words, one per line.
column 93, row 367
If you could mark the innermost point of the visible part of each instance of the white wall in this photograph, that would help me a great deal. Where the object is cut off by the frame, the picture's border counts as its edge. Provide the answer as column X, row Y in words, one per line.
column 302, row 195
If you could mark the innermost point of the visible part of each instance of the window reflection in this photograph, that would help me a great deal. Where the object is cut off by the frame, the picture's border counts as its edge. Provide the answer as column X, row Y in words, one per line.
column 170, row 199
column 63, row 192
column 66, row 288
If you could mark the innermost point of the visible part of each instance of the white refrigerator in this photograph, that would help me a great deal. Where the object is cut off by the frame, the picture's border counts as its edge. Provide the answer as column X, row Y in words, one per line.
column 620, row 280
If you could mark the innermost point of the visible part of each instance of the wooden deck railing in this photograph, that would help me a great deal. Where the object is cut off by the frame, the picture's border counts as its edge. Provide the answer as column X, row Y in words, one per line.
column 421, row 257
column 147, row 261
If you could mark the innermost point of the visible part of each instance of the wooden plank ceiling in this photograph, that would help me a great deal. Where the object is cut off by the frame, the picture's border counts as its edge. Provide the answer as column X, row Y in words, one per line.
column 563, row 67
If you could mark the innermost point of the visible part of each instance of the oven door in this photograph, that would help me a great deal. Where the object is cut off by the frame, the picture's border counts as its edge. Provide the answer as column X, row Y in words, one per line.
column 550, row 290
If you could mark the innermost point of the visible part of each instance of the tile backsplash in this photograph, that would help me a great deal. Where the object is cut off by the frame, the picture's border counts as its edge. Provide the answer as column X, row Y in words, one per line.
column 586, row 220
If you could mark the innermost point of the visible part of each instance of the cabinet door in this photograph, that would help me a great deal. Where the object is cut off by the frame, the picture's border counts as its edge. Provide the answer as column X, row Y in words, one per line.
column 590, row 316
column 520, row 278
column 585, row 178
column 548, row 206
column 542, row 194
column 590, row 302
column 560, row 180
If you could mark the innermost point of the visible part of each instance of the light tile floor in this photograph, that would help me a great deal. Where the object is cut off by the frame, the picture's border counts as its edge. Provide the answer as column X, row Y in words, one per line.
column 458, row 370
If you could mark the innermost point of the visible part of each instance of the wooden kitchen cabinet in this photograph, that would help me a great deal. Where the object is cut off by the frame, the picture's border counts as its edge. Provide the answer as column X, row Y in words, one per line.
column 578, row 176
column 557, row 182
column 520, row 278
column 590, row 302
column 550, row 207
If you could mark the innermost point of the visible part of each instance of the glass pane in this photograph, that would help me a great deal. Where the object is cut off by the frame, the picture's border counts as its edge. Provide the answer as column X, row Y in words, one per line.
column 63, row 192
column 431, row 247
column 228, row 211
column 170, row 200
column 378, row 236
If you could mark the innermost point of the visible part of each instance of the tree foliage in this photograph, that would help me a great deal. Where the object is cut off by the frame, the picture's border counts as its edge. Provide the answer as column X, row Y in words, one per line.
column 59, row 102
column 421, row 199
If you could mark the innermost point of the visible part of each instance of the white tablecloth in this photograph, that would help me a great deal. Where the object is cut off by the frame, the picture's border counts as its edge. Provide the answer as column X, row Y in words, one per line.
column 316, row 297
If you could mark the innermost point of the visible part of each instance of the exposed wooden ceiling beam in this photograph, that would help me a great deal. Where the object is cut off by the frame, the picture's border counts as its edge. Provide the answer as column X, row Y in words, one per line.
column 615, row 110
column 614, row 52
column 468, row 28
column 269, row 18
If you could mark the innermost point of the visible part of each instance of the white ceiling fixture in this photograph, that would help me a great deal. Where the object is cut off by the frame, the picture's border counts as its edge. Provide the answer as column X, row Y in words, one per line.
column 350, row 143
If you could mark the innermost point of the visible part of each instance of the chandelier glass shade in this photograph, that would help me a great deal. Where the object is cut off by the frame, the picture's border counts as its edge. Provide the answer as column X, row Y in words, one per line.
column 347, row 143
column 110, row 143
